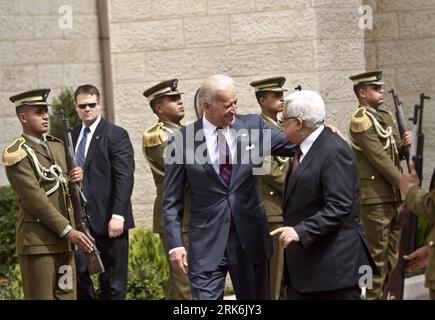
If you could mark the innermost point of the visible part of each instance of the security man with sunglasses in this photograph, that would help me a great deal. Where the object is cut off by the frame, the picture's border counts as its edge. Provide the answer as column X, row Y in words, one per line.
column 165, row 101
column 379, row 149
column 105, row 153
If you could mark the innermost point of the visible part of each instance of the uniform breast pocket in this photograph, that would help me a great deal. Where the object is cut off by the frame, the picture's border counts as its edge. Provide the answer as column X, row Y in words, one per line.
column 37, row 234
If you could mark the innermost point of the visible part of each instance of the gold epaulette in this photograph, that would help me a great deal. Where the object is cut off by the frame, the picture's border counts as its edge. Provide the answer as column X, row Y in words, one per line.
column 154, row 136
column 51, row 138
column 14, row 153
column 360, row 122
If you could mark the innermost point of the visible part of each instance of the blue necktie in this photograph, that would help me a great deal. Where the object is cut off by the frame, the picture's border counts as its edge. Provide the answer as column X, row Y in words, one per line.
column 80, row 154
column 225, row 167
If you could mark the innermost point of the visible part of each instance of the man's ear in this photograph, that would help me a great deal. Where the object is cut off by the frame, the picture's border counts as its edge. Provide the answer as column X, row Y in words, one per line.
column 362, row 92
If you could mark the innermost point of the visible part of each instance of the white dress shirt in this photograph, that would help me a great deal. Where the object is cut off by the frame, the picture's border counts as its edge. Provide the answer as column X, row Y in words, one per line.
column 211, row 135
column 92, row 129
column 308, row 142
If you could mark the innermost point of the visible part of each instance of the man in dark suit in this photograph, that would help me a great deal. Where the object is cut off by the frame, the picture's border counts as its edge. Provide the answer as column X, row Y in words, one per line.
column 325, row 243
column 218, row 156
column 105, row 153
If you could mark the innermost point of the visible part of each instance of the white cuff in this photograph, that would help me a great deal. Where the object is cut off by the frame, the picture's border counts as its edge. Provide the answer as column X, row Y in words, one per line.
column 118, row 217
column 175, row 249
column 67, row 229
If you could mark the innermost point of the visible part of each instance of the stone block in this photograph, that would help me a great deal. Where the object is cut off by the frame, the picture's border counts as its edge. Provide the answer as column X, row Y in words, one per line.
column 78, row 6
column 79, row 73
column 370, row 55
column 129, row 97
column 7, row 53
column 406, row 52
column 20, row 78
column 412, row 79
column 8, row 107
column 8, row 8
column 293, row 57
column 36, row 51
column 210, row 30
column 51, row 75
column 282, row 4
column 144, row 36
column 273, row 26
column 84, row 27
column 132, row 10
column 13, row 29
column 336, row 3
column 339, row 54
column 47, row 27
column 230, row 6
column 385, row 27
column 336, row 86
column 417, row 24
column 33, row 8
column 129, row 67
column 178, row 8
column 338, row 23
column 402, row 5
column 75, row 50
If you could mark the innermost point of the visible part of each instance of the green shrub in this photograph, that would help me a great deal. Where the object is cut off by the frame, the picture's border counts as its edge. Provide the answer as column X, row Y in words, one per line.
column 65, row 101
column 9, row 212
column 11, row 288
column 147, row 267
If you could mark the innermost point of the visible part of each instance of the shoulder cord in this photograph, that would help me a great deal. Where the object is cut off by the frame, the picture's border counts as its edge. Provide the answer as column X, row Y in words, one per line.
column 381, row 132
column 55, row 170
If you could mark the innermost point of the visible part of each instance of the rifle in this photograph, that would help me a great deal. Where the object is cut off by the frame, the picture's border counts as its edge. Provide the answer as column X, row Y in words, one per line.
column 409, row 223
column 195, row 105
column 78, row 200
column 400, row 122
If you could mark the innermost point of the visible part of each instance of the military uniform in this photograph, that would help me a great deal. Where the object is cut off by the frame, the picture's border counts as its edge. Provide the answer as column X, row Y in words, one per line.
column 155, row 140
column 37, row 172
column 271, row 186
column 422, row 203
column 377, row 146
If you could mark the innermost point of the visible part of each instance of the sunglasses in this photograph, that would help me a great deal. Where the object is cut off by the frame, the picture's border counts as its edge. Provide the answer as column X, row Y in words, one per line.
column 90, row 105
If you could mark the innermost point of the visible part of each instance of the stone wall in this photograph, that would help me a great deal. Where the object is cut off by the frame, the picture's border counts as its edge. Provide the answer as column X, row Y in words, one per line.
column 402, row 43
column 36, row 53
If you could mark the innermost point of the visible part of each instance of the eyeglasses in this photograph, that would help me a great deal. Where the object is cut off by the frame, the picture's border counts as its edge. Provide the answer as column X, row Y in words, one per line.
column 289, row 118
column 90, row 105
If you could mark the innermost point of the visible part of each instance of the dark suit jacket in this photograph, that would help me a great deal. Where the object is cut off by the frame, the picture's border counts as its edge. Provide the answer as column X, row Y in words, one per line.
column 212, row 203
column 108, row 176
column 321, row 201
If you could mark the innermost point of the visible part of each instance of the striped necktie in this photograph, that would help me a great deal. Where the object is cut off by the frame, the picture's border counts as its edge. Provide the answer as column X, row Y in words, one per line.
column 225, row 166
column 80, row 154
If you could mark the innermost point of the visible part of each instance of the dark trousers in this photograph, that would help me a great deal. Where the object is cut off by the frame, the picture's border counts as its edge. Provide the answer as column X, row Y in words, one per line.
column 351, row 293
column 250, row 281
column 113, row 282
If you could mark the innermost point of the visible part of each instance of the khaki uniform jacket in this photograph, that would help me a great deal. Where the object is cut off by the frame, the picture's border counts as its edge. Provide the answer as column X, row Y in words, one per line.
column 42, row 218
column 422, row 203
column 379, row 168
column 155, row 140
column 272, row 183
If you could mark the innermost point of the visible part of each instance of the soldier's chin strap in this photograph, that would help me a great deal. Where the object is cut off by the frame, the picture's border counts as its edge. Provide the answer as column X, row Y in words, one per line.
column 51, row 174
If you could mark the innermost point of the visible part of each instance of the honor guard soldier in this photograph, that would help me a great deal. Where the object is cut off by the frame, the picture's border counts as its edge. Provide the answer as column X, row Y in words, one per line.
column 379, row 149
column 36, row 169
column 166, row 103
column 270, row 96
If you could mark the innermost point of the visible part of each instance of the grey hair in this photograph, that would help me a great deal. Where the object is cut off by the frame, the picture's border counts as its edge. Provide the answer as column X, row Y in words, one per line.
column 213, row 84
column 307, row 105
